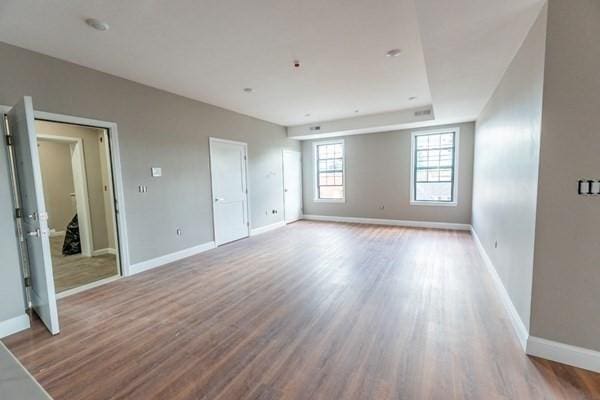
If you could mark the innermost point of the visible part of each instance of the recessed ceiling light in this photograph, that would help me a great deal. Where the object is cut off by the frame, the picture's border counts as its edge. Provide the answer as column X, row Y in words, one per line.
column 97, row 24
column 393, row 53
column 307, row 115
column 248, row 90
column 356, row 111
column 411, row 98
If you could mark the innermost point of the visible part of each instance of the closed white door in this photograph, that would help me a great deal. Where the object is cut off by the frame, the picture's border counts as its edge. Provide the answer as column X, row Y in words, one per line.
column 292, row 185
column 229, row 189
column 34, row 219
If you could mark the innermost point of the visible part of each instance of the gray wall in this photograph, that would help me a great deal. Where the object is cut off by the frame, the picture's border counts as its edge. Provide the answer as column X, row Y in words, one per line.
column 378, row 174
column 566, row 279
column 93, row 171
column 505, row 174
column 156, row 128
column 12, row 301
column 57, row 176
column 160, row 129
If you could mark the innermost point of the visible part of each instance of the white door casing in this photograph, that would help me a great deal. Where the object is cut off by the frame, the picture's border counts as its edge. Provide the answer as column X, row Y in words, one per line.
column 292, row 185
column 34, row 220
column 228, row 167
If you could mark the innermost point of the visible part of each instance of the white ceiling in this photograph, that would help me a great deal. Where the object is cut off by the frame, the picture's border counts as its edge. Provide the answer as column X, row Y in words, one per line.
column 468, row 45
column 210, row 50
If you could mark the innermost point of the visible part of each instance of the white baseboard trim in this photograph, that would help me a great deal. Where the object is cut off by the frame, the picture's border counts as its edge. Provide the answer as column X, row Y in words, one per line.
column 291, row 221
column 515, row 319
column 14, row 325
column 392, row 222
column 267, row 228
column 169, row 258
column 101, row 252
column 564, row 353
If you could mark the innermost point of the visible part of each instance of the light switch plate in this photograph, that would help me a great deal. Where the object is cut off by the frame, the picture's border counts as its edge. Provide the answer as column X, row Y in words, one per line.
column 156, row 171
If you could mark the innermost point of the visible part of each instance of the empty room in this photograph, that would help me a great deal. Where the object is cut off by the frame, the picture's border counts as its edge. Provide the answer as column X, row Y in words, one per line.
column 394, row 199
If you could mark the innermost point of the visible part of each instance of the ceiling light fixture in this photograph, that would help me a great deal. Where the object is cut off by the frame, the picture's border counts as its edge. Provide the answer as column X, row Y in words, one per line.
column 411, row 98
column 356, row 111
column 393, row 53
column 97, row 24
column 307, row 115
column 248, row 90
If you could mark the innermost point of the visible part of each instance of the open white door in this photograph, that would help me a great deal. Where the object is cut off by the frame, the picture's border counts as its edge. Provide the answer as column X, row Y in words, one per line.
column 34, row 220
column 229, row 189
column 292, row 185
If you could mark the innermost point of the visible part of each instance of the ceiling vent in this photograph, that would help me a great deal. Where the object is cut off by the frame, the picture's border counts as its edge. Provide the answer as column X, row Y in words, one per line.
column 422, row 112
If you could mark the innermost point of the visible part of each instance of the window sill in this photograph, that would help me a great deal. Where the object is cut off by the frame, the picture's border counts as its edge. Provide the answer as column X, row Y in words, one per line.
column 433, row 203
column 329, row 200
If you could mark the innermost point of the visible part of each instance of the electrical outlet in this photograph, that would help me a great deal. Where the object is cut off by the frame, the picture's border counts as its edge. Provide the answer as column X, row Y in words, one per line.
column 496, row 244
column 382, row 207
column 142, row 188
column 179, row 232
column 274, row 211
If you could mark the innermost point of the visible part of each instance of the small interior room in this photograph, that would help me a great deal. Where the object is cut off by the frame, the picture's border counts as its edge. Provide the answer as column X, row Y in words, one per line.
column 77, row 187
column 298, row 200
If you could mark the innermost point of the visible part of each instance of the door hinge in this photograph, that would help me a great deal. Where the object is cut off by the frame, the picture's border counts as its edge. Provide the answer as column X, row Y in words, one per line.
column 9, row 140
column 27, row 281
column 18, row 213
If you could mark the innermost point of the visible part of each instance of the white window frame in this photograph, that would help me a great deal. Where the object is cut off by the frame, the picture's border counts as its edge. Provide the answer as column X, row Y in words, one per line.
column 455, row 173
column 316, row 171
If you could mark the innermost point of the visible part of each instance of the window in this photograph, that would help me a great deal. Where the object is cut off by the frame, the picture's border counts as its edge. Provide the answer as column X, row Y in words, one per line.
column 329, row 168
column 433, row 175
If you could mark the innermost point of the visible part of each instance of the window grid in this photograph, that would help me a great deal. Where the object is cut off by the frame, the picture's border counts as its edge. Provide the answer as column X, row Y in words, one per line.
column 434, row 162
column 330, row 171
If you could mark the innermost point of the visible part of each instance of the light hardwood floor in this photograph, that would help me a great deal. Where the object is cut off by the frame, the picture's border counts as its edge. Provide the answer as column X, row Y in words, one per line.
column 76, row 270
column 311, row 311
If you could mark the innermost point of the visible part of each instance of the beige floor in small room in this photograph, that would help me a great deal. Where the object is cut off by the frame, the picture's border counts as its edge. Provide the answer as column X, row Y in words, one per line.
column 76, row 270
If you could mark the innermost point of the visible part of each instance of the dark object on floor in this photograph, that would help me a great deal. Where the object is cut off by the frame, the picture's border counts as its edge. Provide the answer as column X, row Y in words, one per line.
column 72, row 243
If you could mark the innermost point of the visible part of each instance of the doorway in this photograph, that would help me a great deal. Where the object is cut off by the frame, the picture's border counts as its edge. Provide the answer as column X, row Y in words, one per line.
column 228, row 171
column 31, row 223
column 77, row 183
column 292, row 185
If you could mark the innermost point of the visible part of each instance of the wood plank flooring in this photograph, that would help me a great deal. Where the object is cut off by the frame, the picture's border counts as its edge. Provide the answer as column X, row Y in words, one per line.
column 76, row 270
column 314, row 310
